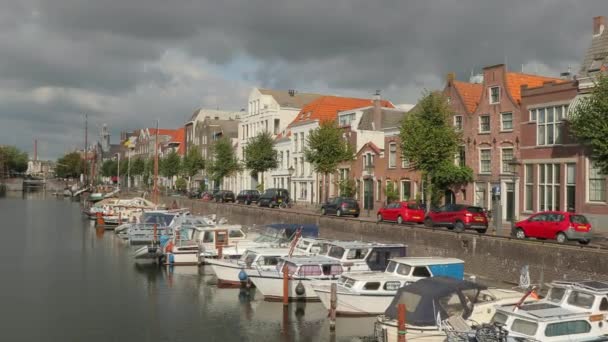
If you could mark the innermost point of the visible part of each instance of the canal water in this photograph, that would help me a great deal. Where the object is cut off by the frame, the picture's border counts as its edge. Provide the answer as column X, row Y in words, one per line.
column 63, row 280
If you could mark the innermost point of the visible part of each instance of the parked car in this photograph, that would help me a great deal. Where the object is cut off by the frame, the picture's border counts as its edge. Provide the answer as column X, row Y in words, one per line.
column 341, row 206
column 401, row 212
column 224, row 196
column 458, row 217
column 273, row 197
column 555, row 225
column 248, row 196
column 207, row 196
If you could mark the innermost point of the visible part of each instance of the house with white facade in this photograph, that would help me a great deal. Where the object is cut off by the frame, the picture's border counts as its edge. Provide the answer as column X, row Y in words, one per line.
column 267, row 111
column 304, row 184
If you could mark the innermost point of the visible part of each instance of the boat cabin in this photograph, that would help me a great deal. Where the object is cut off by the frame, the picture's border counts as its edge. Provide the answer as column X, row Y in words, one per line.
column 306, row 267
column 263, row 257
column 551, row 323
column 310, row 246
column 212, row 238
column 587, row 295
column 401, row 272
column 363, row 256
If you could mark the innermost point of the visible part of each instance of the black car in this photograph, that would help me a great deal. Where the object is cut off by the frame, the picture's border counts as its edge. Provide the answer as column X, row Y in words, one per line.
column 248, row 196
column 224, row 196
column 341, row 206
column 273, row 197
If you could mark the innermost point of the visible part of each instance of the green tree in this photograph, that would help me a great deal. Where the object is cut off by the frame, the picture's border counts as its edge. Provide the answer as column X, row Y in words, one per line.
column 180, row 184
column 589, row 123
column 108, row 168
column 224, row 162
column 193, row 163
column 137, row 166
column 326, row 148
column 392, row 193
column 69, row 166
column 12, row 160
column 430, row 141
column 260, row 155
column 170, row 165
column 148, row 171
column 347, row 187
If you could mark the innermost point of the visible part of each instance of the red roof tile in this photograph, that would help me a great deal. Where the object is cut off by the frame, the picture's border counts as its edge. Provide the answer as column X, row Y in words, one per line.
column 327, row 108
column 177, row 136
column 515, row 80
column 470, row 93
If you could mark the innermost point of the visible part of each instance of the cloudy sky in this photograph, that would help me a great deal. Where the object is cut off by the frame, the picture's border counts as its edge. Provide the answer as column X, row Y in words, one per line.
column 127, row 63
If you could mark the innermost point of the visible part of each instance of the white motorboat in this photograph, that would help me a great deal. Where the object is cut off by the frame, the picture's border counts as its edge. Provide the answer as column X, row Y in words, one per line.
column 431, row 302
column 232, row 271
column 370, row 293
column 300, row 271
column 181, row 249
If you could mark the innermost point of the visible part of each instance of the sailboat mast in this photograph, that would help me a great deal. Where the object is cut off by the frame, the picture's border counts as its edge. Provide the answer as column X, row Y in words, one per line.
column 156, row 164
column 86, row 148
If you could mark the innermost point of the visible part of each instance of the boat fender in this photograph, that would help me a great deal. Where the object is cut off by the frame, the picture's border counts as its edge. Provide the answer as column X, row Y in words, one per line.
column 300, row 289
column 242, row 275
column 171, row 259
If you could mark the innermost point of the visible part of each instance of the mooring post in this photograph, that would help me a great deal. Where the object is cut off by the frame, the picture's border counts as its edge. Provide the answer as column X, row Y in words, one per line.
column 285, row 285
column 401, row 331
column 100, row 220
column 333, row 306
column 220, row 251
column 119, row 218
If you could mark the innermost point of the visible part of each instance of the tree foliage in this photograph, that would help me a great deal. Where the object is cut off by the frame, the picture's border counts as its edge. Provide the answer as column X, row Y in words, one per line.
column 589, row 123
column 260, row 155
column 137, row 166
column 109, row 168
column 193, row 162
column 224, row 162
column 148, row 173
column 347, row 187
column 326, row 148
column 12, row 160
column 70, row 165
column 430, row 142
column 170, row 165
column 392, row 192
column 181, row 184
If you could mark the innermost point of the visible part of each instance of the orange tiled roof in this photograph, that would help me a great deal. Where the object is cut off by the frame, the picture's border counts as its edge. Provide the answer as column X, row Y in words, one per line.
column 515, row 80
column 327, row 108
column 177, row 136
column 470, row 93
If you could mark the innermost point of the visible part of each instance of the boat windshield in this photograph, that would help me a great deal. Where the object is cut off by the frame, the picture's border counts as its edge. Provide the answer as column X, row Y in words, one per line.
column 391, row 267
column 556, row 294
column 268, row 260
column 348, row 283
column 248, row 258
column 303, row 245
column 581, row 299
column 404, row 269
column 524, row 327
column 499, row 318
column 336, row 252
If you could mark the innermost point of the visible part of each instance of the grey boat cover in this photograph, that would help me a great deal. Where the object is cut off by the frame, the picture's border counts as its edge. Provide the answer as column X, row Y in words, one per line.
column 423, row 299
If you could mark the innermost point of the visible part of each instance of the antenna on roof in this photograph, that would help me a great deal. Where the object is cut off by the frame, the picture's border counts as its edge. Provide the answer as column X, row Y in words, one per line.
column 292, row 92
column 522, row 68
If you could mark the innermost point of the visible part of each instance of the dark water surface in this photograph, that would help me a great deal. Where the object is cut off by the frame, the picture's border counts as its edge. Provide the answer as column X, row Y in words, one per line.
column 63, row 280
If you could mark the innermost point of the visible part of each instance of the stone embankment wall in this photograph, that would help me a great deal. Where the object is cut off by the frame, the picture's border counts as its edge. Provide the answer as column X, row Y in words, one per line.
column 499, row 259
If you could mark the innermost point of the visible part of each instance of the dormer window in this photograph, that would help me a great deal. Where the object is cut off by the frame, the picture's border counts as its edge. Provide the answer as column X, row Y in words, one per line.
column 596, row 65
column 494, row 95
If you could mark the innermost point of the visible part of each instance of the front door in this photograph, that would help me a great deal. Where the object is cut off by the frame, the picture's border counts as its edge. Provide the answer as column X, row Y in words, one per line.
column 368, row 196
column 510, row 202
column 449, row 197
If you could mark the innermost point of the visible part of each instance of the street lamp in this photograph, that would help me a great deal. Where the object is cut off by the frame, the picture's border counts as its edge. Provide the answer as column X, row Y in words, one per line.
column 514, row 163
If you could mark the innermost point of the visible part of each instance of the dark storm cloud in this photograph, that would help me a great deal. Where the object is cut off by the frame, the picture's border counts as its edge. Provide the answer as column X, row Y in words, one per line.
column 129, row 61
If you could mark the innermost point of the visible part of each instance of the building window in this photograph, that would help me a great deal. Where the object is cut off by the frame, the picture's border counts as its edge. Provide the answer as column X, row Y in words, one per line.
column 280, row 161
column 548, row 186
column 529, row 193
column 378, row 189
column 277, row 125
column 287, row 158
column 303, row 192
column 506, row 121
column 506, row 159
column 549, row 125
column 494, row 95
column 368, row 160
column 295, row 142
column 571, row 187
column 406, row 190
column 485, row 160
column 302, row 141
column 392, row 155
column 480, row 195
column 347, row 119
column 461, row 156
column 295, row 164
column 405, row 162
column 484, row 124
column 597, row 184
column 458, row 122
column 301, row 166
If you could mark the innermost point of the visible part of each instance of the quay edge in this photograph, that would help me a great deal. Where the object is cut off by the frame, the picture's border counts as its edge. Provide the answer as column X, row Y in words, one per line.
column 486, row 256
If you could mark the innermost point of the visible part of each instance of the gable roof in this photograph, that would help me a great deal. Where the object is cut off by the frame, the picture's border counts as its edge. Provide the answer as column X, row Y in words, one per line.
column 377, row 150
column 515, row 80
column 285, row 99
column 470, row 94
column 389, row 118
column 327, row 108
column 596, row 56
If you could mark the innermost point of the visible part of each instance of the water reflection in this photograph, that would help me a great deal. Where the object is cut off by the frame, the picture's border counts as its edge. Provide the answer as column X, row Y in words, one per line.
column 85, row 286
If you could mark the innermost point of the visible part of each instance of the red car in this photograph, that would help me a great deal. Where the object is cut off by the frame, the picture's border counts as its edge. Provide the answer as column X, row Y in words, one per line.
column 555, row 225
column 401, row 212
column 458, row 217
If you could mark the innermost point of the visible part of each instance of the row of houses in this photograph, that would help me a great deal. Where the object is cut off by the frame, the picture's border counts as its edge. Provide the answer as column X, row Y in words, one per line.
column 514, row 129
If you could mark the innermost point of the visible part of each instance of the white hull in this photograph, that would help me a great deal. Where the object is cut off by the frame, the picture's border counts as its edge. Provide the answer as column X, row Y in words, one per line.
column 177, row 258
column 272, row 288
column 427, row 334
column 148, row 253
column 354, row 304
column 226, row 272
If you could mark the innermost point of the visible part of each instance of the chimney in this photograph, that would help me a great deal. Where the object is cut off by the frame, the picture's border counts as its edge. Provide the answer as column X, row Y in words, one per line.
column 377, row 111
column 599, row 23
column 451, row 77
column 292, row 92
